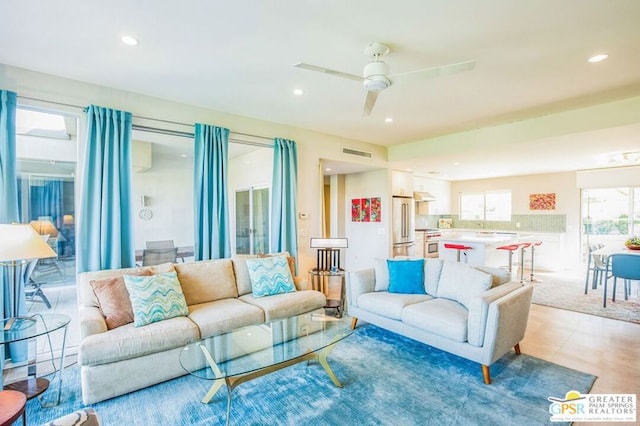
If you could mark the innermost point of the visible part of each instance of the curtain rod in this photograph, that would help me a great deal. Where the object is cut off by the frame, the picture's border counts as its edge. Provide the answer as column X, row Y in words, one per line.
column 164, row 131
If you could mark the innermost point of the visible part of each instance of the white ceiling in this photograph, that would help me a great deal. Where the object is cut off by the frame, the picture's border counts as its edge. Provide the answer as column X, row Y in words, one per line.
column 237, row 57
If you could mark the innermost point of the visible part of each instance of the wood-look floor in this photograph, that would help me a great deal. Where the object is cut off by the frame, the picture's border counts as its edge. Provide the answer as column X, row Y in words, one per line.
column 606, row 348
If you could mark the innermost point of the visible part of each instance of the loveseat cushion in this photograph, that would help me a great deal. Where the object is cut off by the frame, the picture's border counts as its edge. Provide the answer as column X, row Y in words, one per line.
column 442, row 317
column 432, row 271
column 288, row 304
column 129, row 341
column 461, row 282
column 224, row 315
column 389, row 305
column 207, row 280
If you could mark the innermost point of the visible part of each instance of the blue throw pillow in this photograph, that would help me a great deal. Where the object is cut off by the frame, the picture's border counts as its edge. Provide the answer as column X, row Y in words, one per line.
column 270, row 276
column 155, row 298
column 406, row 276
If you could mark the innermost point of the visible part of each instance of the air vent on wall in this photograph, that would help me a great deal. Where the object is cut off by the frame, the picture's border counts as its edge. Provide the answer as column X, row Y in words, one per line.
column 357, row 152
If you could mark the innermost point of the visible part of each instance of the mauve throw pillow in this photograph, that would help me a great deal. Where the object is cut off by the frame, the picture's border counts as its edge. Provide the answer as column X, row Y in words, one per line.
column 113, row 298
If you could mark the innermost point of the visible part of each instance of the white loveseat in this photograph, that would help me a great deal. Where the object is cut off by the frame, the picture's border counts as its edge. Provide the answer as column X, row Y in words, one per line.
column 472, row 312
column 218, row 294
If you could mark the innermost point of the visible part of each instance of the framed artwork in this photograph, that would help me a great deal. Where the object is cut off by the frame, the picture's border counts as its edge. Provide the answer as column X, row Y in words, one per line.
column 366, row 209
column 542, row 201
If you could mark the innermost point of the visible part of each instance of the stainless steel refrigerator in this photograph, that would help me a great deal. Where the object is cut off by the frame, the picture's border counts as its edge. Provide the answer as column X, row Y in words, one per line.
column 403, row 226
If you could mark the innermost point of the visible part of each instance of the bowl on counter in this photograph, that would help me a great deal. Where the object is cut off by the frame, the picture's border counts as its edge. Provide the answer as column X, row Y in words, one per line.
column 632, row 246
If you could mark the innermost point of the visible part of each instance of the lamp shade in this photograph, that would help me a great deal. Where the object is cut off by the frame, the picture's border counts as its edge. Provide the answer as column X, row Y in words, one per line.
column 329, row 243
column 22, row 242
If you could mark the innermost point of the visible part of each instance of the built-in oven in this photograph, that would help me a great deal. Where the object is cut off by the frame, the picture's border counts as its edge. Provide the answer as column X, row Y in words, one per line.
column 431, row 237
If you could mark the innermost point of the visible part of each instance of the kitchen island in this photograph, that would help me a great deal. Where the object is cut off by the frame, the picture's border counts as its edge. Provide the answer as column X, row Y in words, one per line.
column 483, row 247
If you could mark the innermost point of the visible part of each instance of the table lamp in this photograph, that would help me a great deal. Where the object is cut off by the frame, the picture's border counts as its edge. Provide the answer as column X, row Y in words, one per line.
column 19, row 243
column 328, row 257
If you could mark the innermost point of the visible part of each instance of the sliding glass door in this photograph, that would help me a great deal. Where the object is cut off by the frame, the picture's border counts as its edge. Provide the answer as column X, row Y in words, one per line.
column 252, row 221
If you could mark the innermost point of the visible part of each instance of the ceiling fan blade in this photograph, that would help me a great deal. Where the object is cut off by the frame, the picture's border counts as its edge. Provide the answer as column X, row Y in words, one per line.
column 437, row 71
column 328, row 71
column 369, row 102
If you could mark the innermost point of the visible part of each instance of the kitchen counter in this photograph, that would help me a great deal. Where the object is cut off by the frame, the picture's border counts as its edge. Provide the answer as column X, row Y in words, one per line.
column 483, row 246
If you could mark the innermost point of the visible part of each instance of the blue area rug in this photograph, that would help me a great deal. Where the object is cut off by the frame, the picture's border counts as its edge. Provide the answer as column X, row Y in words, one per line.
column 388, row 380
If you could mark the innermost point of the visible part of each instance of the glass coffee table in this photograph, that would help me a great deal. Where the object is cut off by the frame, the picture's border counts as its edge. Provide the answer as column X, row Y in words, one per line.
column 250, row 352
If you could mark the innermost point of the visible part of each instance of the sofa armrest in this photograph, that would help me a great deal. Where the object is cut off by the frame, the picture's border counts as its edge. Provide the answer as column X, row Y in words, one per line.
column 507, row 323
column 91, row 322
column 479, row 308
column 359, row 282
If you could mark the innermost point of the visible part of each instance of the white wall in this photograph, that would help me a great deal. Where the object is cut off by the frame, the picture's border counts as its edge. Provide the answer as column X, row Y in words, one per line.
column 368, row 240
column 168, row 184
column 312, row 146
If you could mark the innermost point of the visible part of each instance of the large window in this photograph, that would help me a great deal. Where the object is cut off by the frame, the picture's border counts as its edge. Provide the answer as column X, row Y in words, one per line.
column 486, row 206
column 46, row 152
column 610, row 214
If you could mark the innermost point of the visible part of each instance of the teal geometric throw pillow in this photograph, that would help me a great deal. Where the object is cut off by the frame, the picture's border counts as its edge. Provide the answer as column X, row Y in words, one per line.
column 155, row 298
column 270, row 275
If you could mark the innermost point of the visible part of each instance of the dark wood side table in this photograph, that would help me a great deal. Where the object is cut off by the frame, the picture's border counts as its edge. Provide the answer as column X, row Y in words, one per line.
column 331, row 283
column 12, row 405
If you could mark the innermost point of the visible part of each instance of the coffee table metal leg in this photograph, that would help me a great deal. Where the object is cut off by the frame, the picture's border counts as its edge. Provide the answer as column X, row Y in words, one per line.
column 322, row 359
column 217, row 384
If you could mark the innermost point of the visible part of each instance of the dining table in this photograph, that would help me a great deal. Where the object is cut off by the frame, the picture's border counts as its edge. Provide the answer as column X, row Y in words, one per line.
column 183, row 252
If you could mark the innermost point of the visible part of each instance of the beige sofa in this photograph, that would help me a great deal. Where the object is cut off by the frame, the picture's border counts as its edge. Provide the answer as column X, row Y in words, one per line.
column 472, row 312
column 219, row 298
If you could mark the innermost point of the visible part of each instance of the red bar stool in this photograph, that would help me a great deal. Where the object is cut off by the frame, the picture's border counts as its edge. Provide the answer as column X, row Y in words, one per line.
column 460, row 248
column 533, row 249
column 523, row 247
column 511, row 248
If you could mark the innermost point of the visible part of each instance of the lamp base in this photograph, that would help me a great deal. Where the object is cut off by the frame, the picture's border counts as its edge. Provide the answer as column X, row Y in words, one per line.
column 18, row 323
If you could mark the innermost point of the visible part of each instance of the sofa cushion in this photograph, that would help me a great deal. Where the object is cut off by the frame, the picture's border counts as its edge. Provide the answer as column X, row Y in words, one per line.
column 406, row 276
column 113, row 298
column 128, row 341
column 221, row 316
column 442, row 317
column 432, row 271
column 243, row 281
column 270, row 276
column 381, row 274
column 286, row 305
column 499, row 276
column 207, row 280
column 461, row 282
column 389, row 305
column 155, row 298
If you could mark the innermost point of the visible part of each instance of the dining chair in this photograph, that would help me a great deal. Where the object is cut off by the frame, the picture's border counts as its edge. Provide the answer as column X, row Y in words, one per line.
column 598, row 265
column 160, row 244
column 625, row 266
column 158, row 256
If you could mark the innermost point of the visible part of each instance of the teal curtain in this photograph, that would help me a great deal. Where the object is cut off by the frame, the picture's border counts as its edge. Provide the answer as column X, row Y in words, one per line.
column 106, row 218
column 212, row 237
column 284, row 225
column 9, row 214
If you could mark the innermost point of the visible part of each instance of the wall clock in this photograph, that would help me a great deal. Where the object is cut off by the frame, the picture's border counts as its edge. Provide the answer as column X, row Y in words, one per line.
column 145, row 214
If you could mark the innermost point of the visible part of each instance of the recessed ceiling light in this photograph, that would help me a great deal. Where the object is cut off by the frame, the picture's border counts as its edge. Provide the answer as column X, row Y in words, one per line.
column 298, row 92
column 457, row 163
column 183, row 155
column 388, row 120
column 408, row 170
column 597, row 58
column 328, row 169
column 129, row 40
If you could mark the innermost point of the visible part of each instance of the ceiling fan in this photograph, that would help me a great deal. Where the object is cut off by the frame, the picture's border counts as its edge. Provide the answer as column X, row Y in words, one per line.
column 376, row 78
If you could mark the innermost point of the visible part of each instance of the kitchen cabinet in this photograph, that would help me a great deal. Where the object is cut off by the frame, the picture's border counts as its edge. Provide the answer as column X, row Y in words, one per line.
column 419, row 251
column 401, row 183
